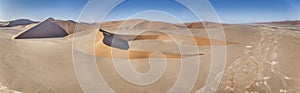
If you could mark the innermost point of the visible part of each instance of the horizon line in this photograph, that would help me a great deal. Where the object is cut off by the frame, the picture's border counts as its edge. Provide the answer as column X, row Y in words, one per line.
column 76, row 20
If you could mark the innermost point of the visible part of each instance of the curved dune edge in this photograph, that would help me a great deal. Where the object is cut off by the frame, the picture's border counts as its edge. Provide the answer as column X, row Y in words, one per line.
column 105, row 51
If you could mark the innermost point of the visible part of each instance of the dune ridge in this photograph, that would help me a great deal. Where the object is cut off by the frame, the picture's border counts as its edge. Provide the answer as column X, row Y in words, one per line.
column 137, row 24
column 52, row 28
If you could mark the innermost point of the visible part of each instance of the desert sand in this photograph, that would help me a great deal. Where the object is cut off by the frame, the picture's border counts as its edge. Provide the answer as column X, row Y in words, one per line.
column 44, row 65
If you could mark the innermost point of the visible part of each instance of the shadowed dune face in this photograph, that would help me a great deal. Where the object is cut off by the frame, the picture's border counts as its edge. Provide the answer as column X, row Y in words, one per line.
column 52, row 28
column 115, row 41
column 110, row 45
column 46, row 29
column 106, row 51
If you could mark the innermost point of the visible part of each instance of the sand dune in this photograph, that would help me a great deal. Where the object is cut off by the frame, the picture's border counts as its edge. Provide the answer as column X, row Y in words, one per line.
column 51, row 70
column 52, row 28
column 73, row 27
column 46, row 29
column 16, row 23
column 106, row 51
column 134, row 24
column 138, row 24
column 123, row 24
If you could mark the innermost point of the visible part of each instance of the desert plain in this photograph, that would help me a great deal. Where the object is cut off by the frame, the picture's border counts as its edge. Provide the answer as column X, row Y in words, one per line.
column 37, row 57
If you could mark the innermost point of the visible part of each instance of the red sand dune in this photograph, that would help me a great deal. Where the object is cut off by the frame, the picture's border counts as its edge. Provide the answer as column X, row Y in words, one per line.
column 105, row 51
column 198, row 40
column 141, row 24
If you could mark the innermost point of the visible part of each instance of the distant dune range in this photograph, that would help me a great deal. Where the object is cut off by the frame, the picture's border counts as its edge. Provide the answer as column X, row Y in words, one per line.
column 32, row 59
column 141, row 24
column 52, row 28
column 16, row 23
column 61, row 28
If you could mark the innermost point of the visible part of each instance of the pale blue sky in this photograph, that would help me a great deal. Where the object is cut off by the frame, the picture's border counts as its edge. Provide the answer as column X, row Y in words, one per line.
column 229, row 11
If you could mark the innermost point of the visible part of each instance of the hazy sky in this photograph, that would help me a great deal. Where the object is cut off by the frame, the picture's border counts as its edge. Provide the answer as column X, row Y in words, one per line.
column 229, row 11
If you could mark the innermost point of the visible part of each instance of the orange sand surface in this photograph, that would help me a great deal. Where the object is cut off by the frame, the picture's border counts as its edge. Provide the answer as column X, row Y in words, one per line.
column 198, row 40
column 103, row 50
column 106, row 51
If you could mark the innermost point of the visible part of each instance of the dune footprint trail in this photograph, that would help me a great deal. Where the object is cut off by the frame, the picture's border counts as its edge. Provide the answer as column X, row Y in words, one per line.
column 257, row 70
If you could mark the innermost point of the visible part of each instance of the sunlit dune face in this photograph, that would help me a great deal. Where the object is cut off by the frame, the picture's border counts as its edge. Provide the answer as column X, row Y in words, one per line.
column 107, row 51
column 196, row 41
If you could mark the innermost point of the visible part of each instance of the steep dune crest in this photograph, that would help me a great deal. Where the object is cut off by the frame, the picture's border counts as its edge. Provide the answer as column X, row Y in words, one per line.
column 46, row 29
column 52, row 28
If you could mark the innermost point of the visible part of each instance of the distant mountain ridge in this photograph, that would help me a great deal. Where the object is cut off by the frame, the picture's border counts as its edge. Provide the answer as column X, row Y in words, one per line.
column 143, row 24
column 17, row 22
column 130, row 24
